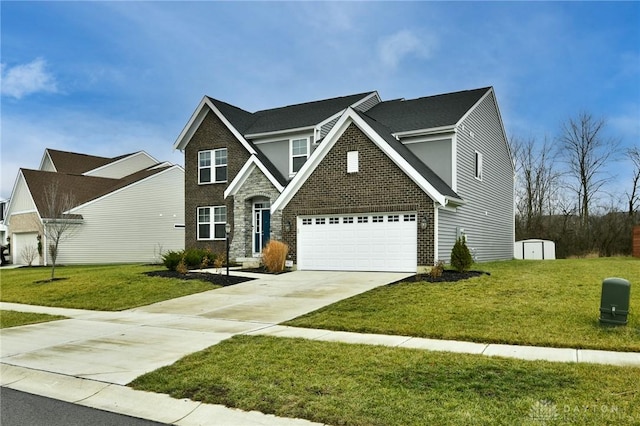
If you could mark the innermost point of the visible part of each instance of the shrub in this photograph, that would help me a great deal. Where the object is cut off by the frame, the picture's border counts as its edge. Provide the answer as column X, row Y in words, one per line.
column 461, row 259
column 191, row 258
column 274, row 256
column 182, row 268
column 437, row 270
column 171, row 259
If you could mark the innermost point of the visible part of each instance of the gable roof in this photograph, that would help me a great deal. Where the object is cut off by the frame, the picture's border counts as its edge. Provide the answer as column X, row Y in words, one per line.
column 426, row 113
column 380, row 135
column 303, row 115
column 439, row 185
column 75, row 163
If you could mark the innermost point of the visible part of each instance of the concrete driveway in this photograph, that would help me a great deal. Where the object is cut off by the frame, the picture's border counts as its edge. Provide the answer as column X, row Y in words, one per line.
column 117, row 347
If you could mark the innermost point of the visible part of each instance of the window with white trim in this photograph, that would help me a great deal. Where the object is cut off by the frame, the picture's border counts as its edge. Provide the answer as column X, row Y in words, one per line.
column 212, row 166
column 212, row 222
column 299, row 152
column 478, row 166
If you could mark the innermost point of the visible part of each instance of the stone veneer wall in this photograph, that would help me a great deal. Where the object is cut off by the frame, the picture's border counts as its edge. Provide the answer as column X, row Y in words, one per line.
column 256, row 186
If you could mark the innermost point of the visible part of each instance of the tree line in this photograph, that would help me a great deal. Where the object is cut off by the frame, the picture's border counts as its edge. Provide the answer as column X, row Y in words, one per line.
column 563, row 189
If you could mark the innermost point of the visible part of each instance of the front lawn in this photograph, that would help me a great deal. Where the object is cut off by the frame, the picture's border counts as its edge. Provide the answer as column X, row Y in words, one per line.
column 14, row 319
column 340, row 384
column 540, row 303
column 97, row 287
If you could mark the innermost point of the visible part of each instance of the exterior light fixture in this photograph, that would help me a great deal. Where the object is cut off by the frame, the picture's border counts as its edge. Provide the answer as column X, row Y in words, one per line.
column 424, row 222
column 287, row 226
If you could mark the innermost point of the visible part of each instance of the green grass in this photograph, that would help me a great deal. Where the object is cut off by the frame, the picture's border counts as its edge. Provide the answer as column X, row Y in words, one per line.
column 14, row 319
column 101, row 287
column 343, row 384
column 550, row 303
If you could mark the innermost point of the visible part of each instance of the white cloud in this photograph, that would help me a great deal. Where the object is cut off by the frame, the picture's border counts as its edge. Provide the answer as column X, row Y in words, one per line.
column 23, row 80
column 394, row 48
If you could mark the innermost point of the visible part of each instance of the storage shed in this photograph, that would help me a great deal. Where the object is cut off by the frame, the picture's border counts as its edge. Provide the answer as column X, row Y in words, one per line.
column 534, row 249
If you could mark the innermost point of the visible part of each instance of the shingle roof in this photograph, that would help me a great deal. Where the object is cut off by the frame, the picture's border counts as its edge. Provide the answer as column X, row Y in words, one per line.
column 288, row 117
column 74, row 163
column 440, row 185
column 425, row 113
column 79, row 188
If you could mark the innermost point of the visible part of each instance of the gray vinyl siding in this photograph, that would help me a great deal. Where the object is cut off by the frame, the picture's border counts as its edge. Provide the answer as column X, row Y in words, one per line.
column 368, row 104
column 327, row 127
column 437, row 155
column 21, row 200
column 130, row 225
column 487, row 217
column 278, row 153
column 47, row 165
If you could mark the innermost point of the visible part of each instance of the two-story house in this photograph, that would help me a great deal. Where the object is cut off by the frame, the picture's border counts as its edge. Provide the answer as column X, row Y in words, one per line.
column 354, row 182
column 124, row 209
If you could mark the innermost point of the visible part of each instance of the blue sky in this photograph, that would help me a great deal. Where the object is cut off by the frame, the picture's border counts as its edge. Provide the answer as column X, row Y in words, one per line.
column 108, row 78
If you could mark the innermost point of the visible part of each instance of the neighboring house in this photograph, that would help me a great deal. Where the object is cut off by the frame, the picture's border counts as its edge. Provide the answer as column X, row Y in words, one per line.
column 3, row 228
column 123, row 209
column 352, row 183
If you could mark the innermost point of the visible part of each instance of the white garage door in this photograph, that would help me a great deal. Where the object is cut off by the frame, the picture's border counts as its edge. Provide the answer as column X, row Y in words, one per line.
column 20, row 244
column 358, row 242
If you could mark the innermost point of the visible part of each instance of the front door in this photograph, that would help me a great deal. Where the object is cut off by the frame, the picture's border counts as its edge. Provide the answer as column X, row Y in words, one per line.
column 261, row 226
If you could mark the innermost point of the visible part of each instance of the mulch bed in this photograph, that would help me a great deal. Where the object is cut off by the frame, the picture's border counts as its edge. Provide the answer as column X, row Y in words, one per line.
column 446, row 277
column 219, row 279
column 263, row 270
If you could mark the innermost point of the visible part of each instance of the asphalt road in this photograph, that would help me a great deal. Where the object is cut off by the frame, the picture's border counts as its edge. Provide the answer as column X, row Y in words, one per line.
column 25, row 409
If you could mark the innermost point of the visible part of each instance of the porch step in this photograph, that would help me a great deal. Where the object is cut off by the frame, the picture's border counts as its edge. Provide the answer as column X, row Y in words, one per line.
column 249, row 262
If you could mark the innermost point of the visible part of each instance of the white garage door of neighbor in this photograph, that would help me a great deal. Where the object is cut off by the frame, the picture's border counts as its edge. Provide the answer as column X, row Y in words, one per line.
column 20, row 243
column 358, row 242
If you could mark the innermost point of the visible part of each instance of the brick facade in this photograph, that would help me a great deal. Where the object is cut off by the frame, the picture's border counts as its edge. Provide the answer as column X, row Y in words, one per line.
column 378, row 186
column 636, row 241
column 211, row 134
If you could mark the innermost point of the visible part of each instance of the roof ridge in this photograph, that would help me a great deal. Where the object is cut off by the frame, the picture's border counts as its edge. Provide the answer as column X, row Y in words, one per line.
column 315, row 101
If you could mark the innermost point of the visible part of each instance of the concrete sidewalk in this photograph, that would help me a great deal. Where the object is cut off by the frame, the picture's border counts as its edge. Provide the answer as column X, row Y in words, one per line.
column 89, row 358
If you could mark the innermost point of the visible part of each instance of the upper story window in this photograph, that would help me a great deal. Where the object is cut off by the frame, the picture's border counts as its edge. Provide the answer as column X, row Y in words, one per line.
column 212, row 223
column 299, row 152
column 212, row 166
column 478, row 166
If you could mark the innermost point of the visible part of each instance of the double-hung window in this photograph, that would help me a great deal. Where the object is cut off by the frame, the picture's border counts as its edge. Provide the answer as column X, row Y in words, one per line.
column 212, row 222
column 212, row 166
column 299, row 149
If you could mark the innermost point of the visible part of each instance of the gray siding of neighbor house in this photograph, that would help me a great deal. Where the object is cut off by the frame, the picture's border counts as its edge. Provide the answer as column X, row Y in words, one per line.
column 437, row 155
column 488, row 215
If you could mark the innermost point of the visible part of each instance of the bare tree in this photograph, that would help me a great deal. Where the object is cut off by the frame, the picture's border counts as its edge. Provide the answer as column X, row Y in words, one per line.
column 537, row 182
column 586, row 151
column 29, row 254
column 59, row 225
column 633, row 196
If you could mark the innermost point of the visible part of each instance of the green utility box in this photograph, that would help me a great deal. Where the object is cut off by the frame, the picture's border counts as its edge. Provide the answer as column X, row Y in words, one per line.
column 614, row 302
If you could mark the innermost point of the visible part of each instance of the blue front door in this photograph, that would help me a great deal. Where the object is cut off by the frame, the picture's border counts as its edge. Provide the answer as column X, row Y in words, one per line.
column 261, row 226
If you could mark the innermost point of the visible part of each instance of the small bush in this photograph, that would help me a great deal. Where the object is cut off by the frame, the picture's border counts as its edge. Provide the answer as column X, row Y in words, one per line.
column 461, row 259
column 437, row 270
column 191, row 258
column 274, row 256
column 171, row 259
column 182, row 267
